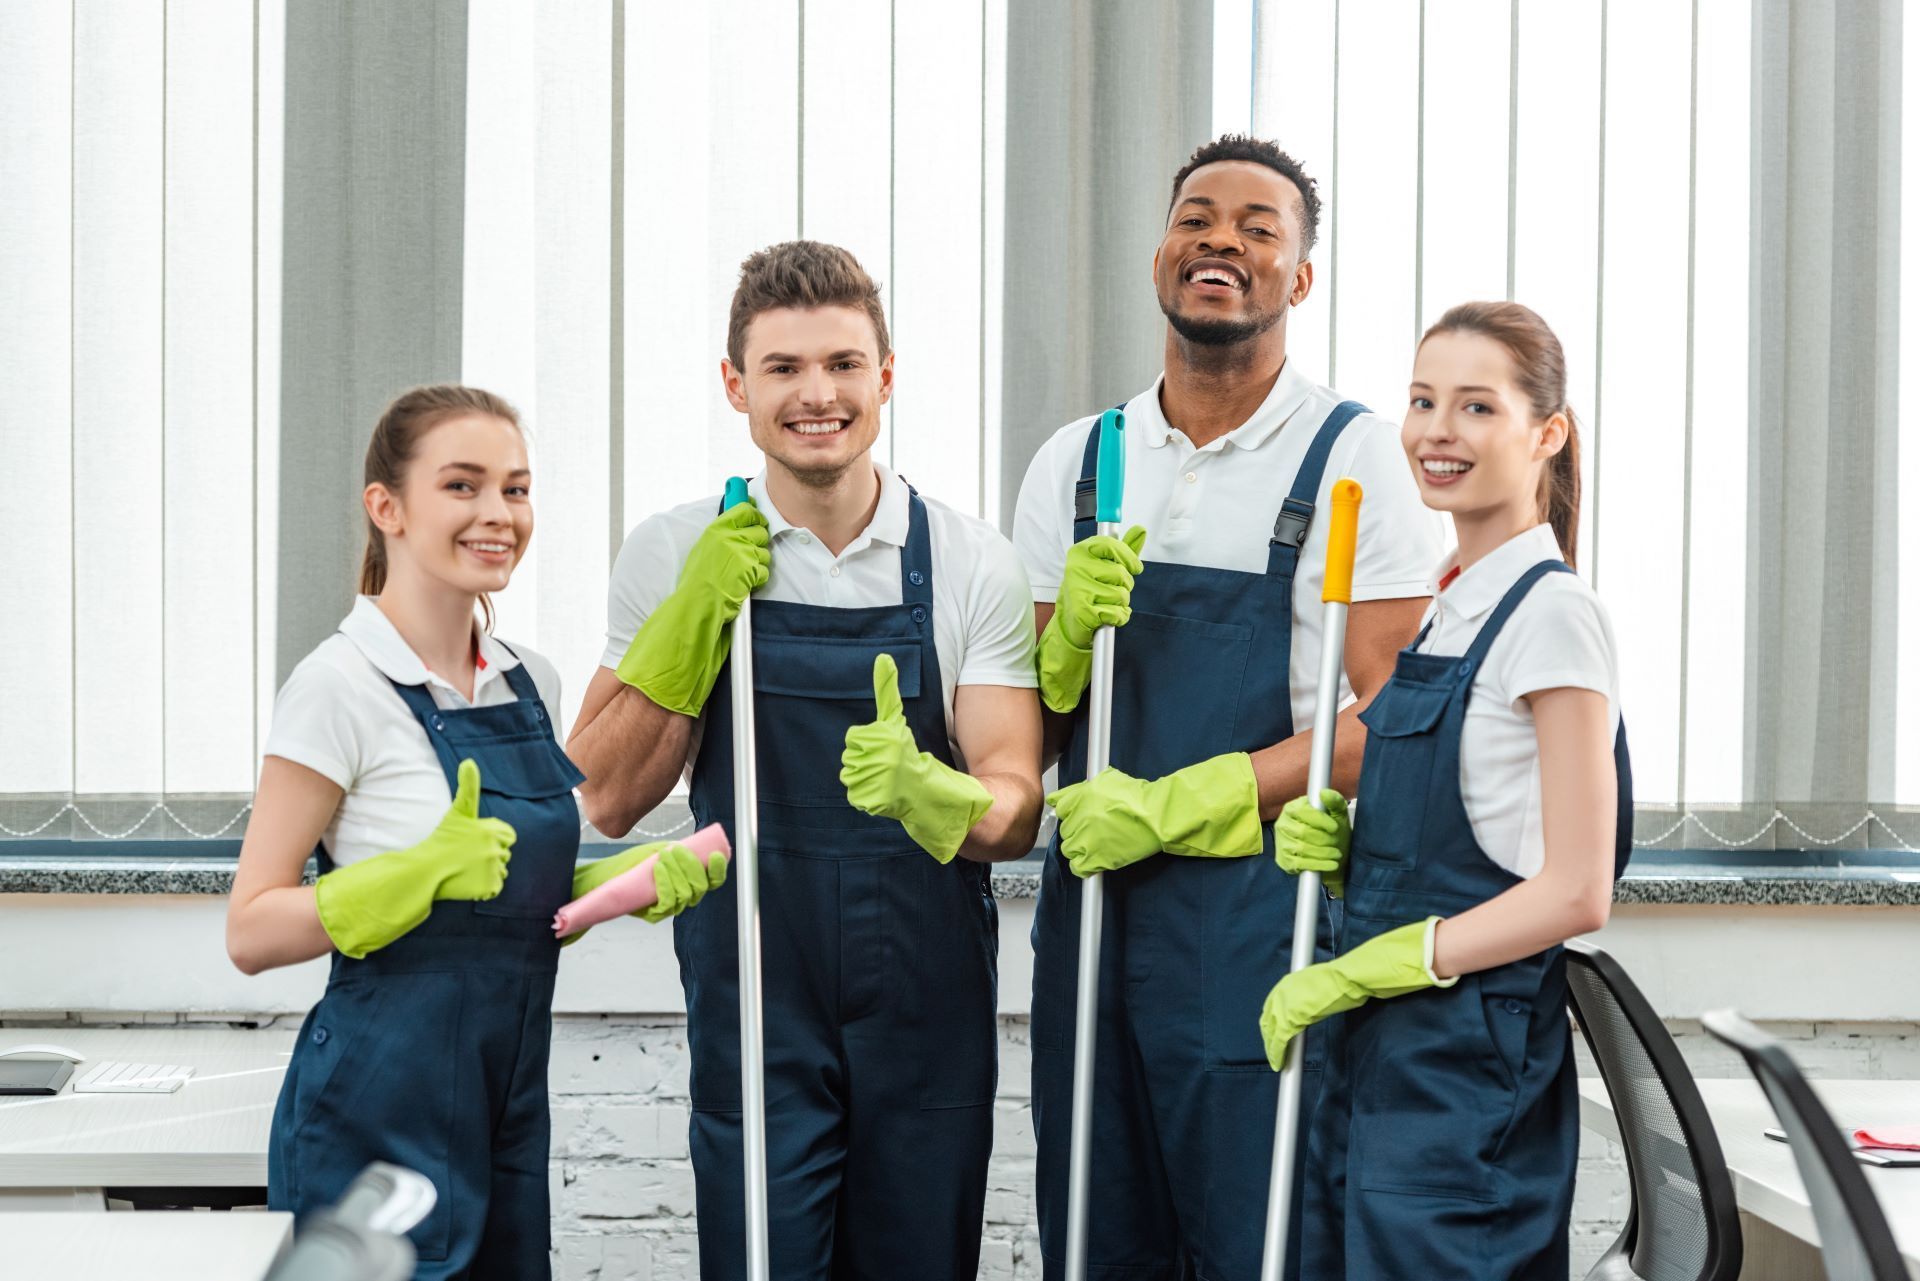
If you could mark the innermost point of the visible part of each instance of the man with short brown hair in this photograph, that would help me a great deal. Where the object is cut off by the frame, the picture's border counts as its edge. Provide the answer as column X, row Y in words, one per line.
column 896, row 727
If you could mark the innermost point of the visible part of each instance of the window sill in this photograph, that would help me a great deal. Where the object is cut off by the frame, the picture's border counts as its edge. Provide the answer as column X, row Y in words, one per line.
column 1865, row 878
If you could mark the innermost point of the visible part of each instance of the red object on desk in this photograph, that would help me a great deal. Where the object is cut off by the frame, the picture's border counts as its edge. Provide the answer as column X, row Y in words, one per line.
column 1905, row 1137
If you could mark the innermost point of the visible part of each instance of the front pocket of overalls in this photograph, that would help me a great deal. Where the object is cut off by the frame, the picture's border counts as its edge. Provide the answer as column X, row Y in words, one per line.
column 328, row 1035
column 1245, row 947
column 956, row 951
column 391, row 1089
column 1396, row 770
column 1433, row 1096
column 706, row 940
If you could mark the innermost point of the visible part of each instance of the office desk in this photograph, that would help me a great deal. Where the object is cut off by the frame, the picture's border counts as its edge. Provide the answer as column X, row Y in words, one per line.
column 1776, row 1217
column 61, row 1151
column 153, row 1247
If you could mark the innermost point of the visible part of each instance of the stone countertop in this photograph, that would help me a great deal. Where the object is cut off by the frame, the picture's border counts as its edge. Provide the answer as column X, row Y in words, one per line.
column 1865, row 879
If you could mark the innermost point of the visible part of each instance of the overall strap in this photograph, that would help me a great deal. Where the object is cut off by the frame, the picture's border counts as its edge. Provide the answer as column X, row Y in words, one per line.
column 1424, row 629
column 418, row 701
column 1490, row 631
column 1084, row 524
column 916, row 558
column 521, row 681
column 1291, row 526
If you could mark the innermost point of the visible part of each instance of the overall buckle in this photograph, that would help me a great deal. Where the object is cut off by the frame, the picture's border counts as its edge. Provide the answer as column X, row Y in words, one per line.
column 1291, row 525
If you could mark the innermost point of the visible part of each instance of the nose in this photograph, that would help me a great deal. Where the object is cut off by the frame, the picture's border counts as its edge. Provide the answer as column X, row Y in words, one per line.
column 493, row 508
column 817, row 388
column 1223, row 239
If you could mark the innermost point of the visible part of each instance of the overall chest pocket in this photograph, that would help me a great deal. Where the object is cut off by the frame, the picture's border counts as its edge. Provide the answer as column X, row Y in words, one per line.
column 809, row 691
column 529, row 782
column 1397, row 772
column 1178, row 692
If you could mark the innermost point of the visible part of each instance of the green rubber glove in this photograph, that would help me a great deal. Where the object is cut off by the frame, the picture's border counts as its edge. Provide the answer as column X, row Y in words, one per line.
column 886, row 773
column 678, row 878
column 366, row 905
column 1095, row 591
column 679, row 651
column 1387, row 965
column 1209, row 810
column 1309, row 840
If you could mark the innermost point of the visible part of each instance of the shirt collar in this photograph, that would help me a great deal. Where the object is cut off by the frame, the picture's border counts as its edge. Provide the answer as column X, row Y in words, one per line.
column 375, row 636
column 889, row 523
column 1480, row 586
column 1288, row 393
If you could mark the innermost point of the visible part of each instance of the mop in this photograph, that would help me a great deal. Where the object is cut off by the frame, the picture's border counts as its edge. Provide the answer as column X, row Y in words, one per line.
column 1335, row 597
column 1109, row 479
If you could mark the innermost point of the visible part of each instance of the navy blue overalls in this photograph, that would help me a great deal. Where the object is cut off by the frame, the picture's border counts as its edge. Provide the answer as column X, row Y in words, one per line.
column 1184, row 1101
column 431, row 1053
column 1448, row 1130
column 879, row 968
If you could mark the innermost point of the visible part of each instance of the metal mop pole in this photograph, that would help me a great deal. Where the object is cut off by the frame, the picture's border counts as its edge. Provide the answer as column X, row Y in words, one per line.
column 1306, row 914
column 746, row 874
column 1110, row 478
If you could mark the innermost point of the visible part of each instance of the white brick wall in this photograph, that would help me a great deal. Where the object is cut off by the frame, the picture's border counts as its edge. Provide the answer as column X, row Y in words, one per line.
column 623, row 1186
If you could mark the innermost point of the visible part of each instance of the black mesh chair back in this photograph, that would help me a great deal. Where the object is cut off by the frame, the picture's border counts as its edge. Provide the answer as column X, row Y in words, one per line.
column 1684, row 1224
column 1855, row 1242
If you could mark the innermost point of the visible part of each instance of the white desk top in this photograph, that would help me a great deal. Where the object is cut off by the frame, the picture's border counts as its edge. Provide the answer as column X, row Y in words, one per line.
column 1765, row 1180
column 154, row 1246
column 212, row 1132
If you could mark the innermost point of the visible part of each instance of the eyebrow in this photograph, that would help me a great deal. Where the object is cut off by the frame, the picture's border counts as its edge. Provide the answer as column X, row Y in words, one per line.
column 1484, row 391
column 478, row 470
column 783, row 358
column 1209, row 202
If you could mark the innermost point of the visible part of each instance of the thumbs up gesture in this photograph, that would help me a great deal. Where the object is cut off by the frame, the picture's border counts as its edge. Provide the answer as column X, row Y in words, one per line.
column 886, row 774
column 470, row 852
column 366, row 905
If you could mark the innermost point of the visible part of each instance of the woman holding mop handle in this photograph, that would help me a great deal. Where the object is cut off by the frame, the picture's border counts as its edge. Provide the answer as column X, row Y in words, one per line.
column 429, row 1048
column 1494, row 814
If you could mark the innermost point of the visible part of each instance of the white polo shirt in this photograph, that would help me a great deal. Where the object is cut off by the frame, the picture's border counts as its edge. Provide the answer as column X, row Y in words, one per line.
column 338, row 716
column 1558, row 637
column 982, row 607
column 1215, row 506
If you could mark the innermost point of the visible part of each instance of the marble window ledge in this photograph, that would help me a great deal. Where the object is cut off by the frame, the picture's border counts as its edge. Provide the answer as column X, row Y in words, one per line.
column 1660, row 880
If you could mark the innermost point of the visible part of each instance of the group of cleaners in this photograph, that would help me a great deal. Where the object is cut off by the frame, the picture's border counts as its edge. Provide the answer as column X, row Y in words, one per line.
column 914, row 675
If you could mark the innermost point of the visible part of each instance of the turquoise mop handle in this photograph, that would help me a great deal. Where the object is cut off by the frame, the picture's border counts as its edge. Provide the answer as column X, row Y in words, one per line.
column 1110, row 476
column 745, row 874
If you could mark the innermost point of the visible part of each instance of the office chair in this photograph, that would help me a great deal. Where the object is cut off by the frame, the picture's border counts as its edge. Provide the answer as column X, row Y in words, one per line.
column 1683, row 1224
column 1855, row 1242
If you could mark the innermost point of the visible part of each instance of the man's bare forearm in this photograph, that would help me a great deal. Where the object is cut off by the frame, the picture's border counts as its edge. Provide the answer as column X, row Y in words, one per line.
column 1281, row 769
column 1007, row 830
column 631, row 750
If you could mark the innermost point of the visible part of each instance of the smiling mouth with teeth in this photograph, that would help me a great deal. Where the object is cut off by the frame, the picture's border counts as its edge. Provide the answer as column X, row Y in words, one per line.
column 1213, row 276
column 818, row 427
column 1444, row 467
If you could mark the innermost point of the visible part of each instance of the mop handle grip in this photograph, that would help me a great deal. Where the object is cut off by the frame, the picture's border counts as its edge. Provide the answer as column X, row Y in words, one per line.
column 1111, row 474
column 736, row 493
column 1341, row 535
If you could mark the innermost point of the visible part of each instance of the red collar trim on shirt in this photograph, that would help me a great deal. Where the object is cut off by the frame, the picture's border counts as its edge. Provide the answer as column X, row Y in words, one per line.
column 1446, row 579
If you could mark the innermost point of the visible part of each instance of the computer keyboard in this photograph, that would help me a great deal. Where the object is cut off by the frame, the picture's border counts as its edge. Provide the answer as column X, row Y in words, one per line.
column 109, row 1077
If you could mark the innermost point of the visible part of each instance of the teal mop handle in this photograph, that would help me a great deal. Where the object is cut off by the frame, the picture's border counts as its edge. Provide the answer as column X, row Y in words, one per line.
column 746, row 878
column 1109, row 480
